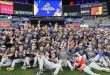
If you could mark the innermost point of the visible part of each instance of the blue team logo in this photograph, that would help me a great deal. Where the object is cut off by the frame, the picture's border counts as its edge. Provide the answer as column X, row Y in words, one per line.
column 47, row 7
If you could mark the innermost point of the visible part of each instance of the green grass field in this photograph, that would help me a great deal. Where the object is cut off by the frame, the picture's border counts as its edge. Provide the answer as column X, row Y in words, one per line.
column 32, row 71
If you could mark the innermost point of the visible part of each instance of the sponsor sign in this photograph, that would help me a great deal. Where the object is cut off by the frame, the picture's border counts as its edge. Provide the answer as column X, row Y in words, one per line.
column 73, row 25
column 85, row 11
column 5, row 24
column 6, row 7
column 71, row 10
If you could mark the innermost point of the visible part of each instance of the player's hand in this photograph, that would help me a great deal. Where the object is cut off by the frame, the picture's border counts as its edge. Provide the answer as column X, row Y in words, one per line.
column 5, row 56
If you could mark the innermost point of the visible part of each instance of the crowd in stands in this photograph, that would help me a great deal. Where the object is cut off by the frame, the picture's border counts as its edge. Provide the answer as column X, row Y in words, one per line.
column 55, row 47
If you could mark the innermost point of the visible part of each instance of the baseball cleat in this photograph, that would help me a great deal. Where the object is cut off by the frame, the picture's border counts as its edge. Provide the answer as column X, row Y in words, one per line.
column 24, row 68
column 10, row 69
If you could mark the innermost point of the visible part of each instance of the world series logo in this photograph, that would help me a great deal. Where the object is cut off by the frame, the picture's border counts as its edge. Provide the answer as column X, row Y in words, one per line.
column 48, row 8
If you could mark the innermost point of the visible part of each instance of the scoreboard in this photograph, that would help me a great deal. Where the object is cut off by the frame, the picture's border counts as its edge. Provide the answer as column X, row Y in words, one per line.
column 71, row 10
column 90, row 9
column 94, row 9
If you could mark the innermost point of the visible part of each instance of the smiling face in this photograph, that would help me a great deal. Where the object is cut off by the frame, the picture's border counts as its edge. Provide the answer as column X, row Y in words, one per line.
column 90, row 48
column 4, row 37
column 22, row 31
column 75, row 58
column 21, row 47
column 80, row 46
column 12, row 48
column 26, row 40
column 53, row 55
column 33, row 46
column 108, row 46
column 41, row 48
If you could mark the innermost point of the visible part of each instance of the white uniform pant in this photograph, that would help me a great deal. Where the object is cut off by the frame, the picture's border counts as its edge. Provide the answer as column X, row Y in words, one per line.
column 98, row 58
column 107, row 59
column 16, row 61
column 93, row 65
column 28, row 59
column 67, row 63
column 5, row 62
column 37, row 59
column 50, row 65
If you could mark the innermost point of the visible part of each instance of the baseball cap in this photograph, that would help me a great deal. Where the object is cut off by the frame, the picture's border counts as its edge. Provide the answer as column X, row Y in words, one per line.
column 3, row 46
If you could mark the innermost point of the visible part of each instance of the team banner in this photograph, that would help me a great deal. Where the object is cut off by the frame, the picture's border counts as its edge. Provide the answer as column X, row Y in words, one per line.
column 72, row 20
column 104, row 25
column 6, row 7
column 73, row 25
column 47, row 7
column 5, row 24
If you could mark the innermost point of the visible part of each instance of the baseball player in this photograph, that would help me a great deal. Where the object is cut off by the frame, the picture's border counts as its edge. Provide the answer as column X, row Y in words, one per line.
column 51, row 63
column 82, row 65
column 30, row 55
column 19, row 57
column 37, row 56
column 63, row 58
column 7, row 57
column 4, row 57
